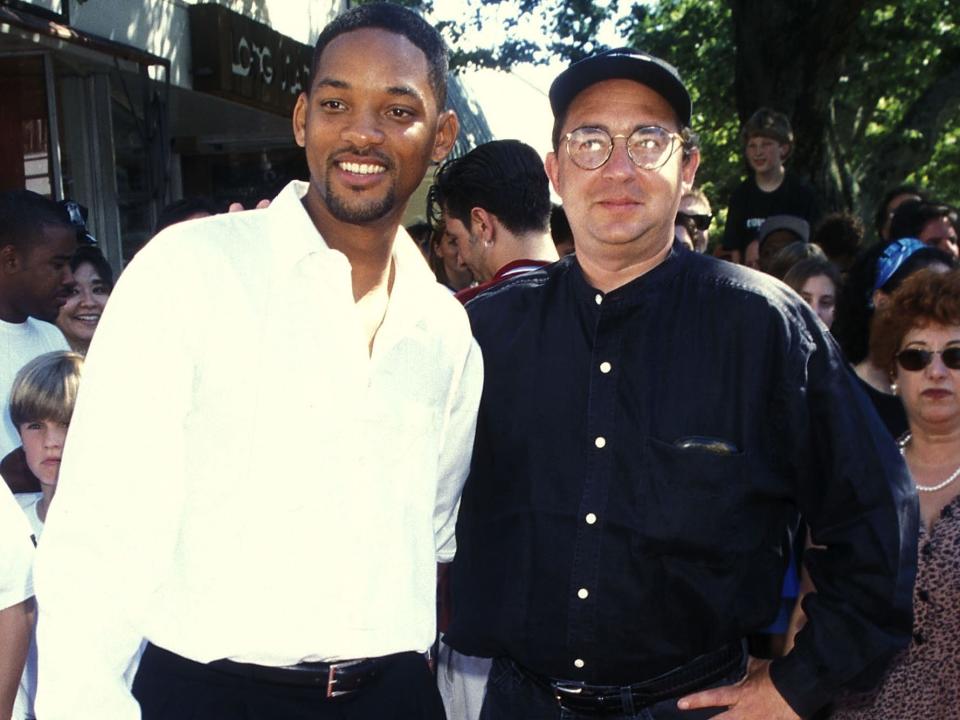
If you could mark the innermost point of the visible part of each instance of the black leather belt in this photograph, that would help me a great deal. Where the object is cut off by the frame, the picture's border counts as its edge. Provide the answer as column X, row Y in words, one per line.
column 339, row 678
column 612, row 699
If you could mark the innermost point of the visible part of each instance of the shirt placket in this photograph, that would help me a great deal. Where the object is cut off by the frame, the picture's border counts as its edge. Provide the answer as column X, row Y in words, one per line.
column 600, row 440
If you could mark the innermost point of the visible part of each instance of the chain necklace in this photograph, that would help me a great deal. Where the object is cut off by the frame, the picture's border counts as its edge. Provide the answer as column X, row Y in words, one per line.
column 927, row 488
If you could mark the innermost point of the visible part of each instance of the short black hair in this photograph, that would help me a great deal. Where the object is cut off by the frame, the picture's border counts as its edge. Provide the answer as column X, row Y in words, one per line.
column 504, row 177
column 24, row 214
column 400, row 21
column 911, row 216
column 880, row 218
column 91, row 254
column 185, row 208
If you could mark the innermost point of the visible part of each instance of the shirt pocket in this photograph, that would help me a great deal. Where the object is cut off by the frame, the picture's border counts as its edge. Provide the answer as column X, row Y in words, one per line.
column 692, row 501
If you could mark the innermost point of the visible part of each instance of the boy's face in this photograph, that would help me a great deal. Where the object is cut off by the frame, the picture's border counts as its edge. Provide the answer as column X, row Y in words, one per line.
column 43, row 445
column 765, row 154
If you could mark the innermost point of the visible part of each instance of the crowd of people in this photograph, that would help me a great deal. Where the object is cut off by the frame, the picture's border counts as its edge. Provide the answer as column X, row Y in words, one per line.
column 525, row 461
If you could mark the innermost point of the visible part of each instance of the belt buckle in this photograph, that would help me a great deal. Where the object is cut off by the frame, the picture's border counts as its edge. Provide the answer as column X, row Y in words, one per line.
column 563, row 693
column 567, row 689
column 332, row 678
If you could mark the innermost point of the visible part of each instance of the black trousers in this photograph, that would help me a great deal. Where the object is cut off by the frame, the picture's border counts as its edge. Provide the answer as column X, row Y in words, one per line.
column 169, row 687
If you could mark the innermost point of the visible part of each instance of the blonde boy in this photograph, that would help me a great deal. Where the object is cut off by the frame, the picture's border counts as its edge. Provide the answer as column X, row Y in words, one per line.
column 41, row 404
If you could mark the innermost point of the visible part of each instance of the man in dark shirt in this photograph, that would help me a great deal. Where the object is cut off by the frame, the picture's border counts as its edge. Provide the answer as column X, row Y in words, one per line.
column 495, row 203
column 652, row 422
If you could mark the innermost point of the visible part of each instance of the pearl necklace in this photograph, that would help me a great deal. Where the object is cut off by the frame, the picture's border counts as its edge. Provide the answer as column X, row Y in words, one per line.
column 927, row 488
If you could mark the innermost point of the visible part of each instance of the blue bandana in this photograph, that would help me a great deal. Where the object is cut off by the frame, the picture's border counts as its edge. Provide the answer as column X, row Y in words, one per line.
column 893, row 256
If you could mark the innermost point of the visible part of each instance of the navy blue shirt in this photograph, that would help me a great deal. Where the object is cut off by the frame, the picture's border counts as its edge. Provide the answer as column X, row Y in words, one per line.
column 639, row 458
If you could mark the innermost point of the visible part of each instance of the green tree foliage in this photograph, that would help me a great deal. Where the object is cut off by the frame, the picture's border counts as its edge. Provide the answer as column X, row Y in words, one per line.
column 873, row 86
column 696, row 37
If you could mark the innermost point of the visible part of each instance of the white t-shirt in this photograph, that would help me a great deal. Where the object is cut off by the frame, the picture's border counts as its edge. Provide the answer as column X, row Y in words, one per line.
column 16, row 552
column 23, row 705
column 16, row 560
column 19, row 344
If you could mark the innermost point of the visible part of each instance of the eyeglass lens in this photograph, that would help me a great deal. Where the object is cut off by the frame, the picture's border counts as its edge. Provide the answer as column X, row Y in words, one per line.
column 915, row 359
column 648, row 147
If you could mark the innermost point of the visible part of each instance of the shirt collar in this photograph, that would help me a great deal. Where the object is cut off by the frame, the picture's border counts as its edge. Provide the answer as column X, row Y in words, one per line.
column 296, row 236
column 521, row 265
column 632, row 291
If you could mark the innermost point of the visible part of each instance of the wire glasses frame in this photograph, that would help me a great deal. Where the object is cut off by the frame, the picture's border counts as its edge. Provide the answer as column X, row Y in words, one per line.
column 648, row 147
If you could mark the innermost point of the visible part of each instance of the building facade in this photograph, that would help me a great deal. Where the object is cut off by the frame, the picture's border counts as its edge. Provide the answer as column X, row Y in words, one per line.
column 125, row 105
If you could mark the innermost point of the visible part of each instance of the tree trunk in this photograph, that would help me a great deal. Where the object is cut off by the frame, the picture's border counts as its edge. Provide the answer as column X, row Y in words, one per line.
column 790, row 56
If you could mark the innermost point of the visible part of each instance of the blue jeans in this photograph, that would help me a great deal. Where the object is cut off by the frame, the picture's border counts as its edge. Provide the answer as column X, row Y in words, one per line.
column 511, row 695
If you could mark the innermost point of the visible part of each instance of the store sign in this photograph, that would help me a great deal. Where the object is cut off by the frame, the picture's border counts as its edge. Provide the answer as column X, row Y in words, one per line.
column 55, row 10
column 239, row 59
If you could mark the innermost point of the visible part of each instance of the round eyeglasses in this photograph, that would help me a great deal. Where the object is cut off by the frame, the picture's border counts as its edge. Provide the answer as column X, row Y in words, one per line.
column 648, row 147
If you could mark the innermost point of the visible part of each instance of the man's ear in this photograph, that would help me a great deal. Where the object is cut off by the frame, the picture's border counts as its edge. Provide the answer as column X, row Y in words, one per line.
column 300, row 119
column 448, row 125
column 688, row 169
column 10, row 261
column 481, row 225
column 551, row 165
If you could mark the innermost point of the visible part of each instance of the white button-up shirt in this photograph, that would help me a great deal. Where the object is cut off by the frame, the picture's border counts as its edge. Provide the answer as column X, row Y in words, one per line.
column 242, row 477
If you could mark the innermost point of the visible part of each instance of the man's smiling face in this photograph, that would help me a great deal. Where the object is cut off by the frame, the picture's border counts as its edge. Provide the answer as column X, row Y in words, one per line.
column 369, row 126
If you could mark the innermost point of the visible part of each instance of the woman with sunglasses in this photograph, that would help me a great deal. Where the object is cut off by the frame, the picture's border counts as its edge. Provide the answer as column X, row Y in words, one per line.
column 916, row 338
column 876, row 274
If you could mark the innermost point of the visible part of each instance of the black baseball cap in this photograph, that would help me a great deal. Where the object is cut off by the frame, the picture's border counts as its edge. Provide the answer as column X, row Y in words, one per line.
column 626, row 63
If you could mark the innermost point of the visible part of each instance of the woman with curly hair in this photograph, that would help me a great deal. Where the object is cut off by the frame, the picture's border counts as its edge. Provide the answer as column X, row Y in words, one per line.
column 915, row 337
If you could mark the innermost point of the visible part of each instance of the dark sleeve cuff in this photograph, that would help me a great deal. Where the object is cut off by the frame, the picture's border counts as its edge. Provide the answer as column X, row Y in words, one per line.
column 801, row 686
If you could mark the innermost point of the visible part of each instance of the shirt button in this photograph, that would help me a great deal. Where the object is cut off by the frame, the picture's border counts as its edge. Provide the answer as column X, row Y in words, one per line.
column 917, row 638
column 590, row 518
column 927, row 549
column 598, row 298
column 923, row 595
column 578, row 663
column 583, row 593
column 600, row 442
column 605, row 367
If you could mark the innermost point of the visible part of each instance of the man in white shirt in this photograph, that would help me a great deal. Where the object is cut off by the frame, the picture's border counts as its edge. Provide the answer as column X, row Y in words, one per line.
column 36, row 244
column 275, row 423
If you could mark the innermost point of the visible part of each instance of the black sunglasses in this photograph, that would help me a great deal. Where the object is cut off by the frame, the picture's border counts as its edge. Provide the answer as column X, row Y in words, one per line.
column 700, row 222
column 915, row 359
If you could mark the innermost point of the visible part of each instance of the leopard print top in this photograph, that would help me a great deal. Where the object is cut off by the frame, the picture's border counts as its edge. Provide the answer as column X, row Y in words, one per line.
column 924, row 681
